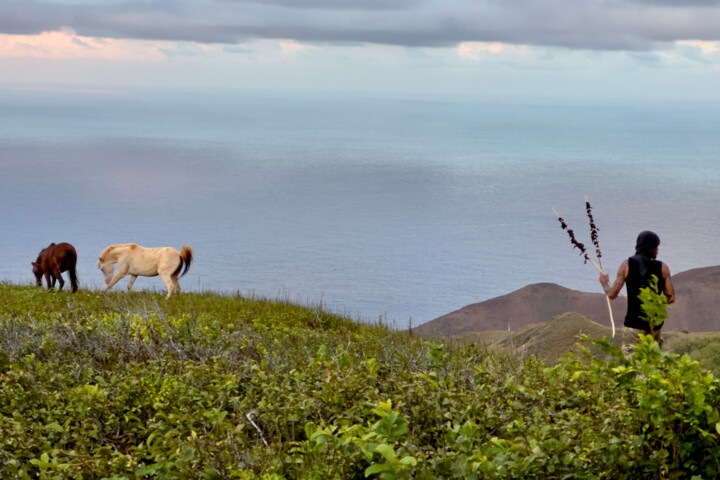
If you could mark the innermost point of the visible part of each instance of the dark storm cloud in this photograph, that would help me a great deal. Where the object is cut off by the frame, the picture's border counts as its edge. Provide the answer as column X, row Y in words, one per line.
column 582, row 24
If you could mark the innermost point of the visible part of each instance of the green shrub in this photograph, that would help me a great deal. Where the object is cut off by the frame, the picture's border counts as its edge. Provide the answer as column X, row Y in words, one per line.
column 219, row 387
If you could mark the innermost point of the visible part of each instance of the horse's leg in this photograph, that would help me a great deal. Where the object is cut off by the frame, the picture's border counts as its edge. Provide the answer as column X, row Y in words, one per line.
column 50, row 283
column 167, row 279
column 132, row 280
column 57, row 274
column 119, row 275
column 176, row 283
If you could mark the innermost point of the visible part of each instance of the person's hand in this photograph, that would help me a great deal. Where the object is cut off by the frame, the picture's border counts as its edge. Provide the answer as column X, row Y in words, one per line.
column 604, row 278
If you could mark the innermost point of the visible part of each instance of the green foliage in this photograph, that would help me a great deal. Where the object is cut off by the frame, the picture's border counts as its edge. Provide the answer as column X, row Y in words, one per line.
column 704, row 347
column 654, row 304
column 672, row 404
column 131, row 386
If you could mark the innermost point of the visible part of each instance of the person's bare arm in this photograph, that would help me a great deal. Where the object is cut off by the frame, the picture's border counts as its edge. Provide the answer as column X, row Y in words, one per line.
column 612, row 291
column 669, row 289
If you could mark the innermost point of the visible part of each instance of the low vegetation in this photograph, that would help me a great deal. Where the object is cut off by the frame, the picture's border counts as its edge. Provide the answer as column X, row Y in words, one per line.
column 130, row 386
column 553, row 339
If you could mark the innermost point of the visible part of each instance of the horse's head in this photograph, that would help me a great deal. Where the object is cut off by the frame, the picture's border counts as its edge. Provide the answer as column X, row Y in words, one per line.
column 38, row 272
column 107, row 268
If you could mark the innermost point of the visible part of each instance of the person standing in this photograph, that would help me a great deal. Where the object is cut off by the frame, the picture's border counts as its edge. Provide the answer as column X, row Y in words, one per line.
column 635, row 273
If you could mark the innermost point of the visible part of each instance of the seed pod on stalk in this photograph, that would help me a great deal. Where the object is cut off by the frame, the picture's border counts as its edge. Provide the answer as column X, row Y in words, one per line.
column 593, row 230
column 573, row 240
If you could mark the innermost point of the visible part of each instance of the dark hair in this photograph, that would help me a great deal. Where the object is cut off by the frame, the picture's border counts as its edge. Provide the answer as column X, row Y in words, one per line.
column 646, row 241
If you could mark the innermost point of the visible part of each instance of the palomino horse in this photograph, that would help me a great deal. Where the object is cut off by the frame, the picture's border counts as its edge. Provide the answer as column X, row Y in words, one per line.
column 134, row 260
column 54, row 260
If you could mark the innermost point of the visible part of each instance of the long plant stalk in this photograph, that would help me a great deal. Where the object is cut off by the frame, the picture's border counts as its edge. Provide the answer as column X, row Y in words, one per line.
column 594, row 237
column 584, row 254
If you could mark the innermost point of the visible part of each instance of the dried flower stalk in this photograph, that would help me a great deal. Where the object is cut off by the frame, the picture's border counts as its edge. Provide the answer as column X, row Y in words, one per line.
column 573, row 240
column 583, row 251
column 593, row 231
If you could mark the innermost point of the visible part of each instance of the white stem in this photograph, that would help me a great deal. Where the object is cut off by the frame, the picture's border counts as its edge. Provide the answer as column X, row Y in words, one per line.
column 612, row 320
column 249, row 416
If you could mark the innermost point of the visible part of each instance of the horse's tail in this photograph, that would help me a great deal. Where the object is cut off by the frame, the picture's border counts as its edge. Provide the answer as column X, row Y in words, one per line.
column 186, row 255
column 73, row 278
column 71, row 269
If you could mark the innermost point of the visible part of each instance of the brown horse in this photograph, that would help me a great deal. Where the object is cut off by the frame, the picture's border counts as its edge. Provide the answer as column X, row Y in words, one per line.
column 54, row 260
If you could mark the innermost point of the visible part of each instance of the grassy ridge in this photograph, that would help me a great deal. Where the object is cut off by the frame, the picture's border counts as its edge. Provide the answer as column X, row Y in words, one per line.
column 203, row 386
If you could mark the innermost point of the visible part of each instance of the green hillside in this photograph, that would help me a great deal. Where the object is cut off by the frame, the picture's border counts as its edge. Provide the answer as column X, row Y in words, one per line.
column 704, row 347
column 130, row 386
column 554, row 339
column 547, row 340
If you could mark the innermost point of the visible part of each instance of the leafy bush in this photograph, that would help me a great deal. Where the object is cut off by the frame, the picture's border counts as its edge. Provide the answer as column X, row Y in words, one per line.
column 218, row 387
column 654, row 304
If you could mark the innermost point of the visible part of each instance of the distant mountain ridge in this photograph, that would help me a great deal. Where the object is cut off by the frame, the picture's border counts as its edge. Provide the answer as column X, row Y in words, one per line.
column 697, row 308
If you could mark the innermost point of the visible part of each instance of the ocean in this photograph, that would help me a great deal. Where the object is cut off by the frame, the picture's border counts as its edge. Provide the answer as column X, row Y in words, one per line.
column 397, row 209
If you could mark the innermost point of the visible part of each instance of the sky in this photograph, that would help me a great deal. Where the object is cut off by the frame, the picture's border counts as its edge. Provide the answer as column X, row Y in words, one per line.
column 553, row 48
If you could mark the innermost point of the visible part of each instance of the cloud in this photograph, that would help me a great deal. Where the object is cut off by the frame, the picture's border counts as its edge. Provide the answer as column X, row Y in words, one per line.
column 700, row 51
column 479, row 50
column 291, row 46
column 703, row 46
column 639, row 25
column 66, row 44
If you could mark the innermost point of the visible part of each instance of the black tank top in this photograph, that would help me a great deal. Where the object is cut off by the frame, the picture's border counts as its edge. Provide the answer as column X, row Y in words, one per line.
column 634, row 282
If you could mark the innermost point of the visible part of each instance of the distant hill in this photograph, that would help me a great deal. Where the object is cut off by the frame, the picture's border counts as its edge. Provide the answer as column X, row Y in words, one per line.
column 697, row 308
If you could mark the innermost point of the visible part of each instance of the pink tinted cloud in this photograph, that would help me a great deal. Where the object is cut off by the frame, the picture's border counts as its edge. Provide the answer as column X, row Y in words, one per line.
column 66, row 45
column 292, row 46
column 479, row 50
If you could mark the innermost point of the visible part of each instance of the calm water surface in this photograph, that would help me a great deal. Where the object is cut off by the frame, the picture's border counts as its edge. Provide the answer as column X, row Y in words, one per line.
column 401, row 208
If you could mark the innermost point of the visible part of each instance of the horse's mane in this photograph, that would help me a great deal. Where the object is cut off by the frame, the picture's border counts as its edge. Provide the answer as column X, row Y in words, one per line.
column 44, row 251
column 109, row 248
column 105, row 251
